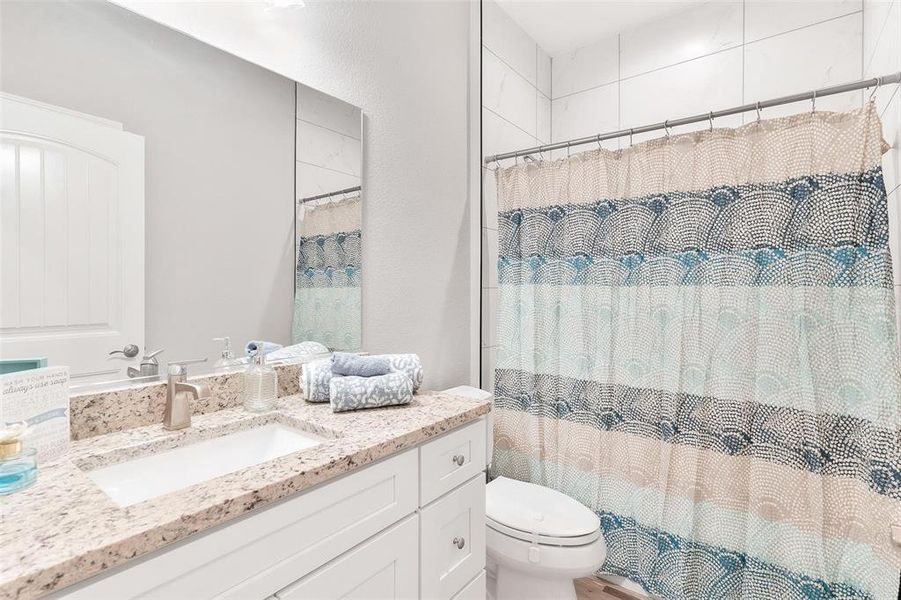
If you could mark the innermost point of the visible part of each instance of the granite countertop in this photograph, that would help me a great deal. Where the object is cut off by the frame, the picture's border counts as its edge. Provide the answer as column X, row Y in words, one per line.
column 64, row 529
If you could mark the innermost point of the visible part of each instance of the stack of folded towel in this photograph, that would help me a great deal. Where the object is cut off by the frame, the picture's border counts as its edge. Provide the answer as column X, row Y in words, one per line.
column 350, row 381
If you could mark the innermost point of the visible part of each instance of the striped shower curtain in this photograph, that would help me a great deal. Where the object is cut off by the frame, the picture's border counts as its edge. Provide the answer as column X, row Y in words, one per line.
column 696, row 339
column 327, row 299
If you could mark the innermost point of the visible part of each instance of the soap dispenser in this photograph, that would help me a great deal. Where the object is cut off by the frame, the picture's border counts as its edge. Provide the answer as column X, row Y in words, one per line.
column 226, row 358
column 260, row 385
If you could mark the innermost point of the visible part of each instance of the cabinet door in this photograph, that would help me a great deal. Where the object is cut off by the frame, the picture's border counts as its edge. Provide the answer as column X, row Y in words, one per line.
column 385, row 567
column 453, row 540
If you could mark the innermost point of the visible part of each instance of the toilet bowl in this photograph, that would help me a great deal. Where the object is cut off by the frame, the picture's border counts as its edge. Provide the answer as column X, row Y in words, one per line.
column 539, row 540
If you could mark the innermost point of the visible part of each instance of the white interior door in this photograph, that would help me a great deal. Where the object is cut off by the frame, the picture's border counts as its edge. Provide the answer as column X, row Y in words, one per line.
column 71, row 238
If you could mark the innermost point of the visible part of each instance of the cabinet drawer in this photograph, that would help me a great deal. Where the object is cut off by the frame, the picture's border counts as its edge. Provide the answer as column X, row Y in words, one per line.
column 450, row 460
column 452, row 546
column 385, row 567
column 475, row 589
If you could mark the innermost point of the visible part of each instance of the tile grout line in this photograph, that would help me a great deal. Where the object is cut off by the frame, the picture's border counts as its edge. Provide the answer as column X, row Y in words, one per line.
column 509, row 122
column 742, row 45
column 303, row 162
column 512, row 68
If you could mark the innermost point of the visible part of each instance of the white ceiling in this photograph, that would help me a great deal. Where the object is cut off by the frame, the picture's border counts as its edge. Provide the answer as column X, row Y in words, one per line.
column 561, row 26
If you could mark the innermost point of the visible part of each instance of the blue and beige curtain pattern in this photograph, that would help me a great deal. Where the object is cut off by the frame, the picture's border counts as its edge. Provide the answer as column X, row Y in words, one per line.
column 327, row 299
column 697, row 341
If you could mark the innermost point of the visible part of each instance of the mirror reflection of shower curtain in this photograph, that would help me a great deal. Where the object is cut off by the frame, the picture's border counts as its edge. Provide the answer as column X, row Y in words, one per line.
column 327, row 298
column 697, row 340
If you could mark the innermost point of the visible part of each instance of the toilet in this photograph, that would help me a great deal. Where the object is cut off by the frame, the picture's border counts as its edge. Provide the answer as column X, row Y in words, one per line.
column 539, row 540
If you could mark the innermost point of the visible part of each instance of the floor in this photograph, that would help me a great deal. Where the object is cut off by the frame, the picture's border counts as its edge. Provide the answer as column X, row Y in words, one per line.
column 593, row 588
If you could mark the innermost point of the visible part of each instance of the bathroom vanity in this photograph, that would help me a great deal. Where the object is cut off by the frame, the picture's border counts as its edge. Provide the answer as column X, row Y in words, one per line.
column 386, row 503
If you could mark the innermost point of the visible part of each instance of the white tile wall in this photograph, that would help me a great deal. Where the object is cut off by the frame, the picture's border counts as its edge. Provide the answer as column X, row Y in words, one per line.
column 516, row 113
column 812, row 57
column 585, row 68
column 508, row 94
column 690, row 88
column 586, row 113
column 765, row 18
column 703, row 30
column 328, row 147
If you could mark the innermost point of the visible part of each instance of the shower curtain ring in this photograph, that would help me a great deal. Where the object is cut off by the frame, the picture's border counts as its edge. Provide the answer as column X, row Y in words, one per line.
column 599, row 142
column 630, row 136
column 569, row 149
column 758, row 111
column 666, row 127
column 710, row 118
column 875, row 88
column 813, row 102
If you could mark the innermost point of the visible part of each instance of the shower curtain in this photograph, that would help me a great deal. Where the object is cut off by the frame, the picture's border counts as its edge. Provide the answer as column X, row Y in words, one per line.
column 327, row 299
column 696, row 339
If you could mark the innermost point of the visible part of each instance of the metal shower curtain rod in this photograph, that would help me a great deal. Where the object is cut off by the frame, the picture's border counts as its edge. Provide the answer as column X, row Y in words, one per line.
column 349, row 190
column 756, row 106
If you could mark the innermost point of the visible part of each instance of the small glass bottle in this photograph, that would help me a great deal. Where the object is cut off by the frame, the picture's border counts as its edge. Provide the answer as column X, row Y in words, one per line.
column 18, row 464
column 260, row 385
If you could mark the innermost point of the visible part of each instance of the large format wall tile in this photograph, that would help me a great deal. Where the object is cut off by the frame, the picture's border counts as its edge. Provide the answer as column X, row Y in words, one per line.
column 586, row 113
column 765, row 18
column 814, row 57
column 544, row 72
column 508, row 41
column 697, row 86
column 324, row 110
column 499, row 135
column 586, row 68
column 313, row 180
column 326, row 148
column 489, row 258
column 507, row 94
column 709, row 28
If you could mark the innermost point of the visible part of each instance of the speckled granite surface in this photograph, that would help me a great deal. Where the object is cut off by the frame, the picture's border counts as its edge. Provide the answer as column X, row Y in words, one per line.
column 65, row 529
column 119, row 409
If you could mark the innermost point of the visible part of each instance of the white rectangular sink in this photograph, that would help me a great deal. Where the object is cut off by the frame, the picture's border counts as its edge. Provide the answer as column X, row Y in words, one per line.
column 140, row 479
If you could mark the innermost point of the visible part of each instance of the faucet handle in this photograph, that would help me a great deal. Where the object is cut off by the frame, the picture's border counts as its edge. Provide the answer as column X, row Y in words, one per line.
column 180, row 367
column 149, row 355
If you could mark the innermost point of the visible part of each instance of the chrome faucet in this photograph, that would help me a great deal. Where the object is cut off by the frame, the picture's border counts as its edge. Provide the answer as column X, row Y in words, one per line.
column 179, row 393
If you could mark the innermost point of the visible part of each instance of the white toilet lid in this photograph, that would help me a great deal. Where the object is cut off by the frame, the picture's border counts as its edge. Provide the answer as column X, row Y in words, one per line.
column 538, row 510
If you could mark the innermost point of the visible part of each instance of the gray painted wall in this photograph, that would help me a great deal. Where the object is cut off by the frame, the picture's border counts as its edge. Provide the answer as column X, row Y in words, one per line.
column 407, row 65
column 219, row 136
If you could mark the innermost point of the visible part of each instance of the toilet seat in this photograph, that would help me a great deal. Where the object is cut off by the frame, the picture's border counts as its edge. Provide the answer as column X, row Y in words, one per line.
column 538, row 515
column 543, row 540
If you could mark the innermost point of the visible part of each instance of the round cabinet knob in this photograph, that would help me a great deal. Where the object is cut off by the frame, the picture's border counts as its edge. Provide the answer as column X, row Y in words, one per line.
column 459, row 459
column 459, row 542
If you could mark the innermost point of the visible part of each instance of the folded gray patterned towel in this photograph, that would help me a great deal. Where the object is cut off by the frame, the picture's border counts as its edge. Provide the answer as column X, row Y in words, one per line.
column 351, row 393
column 314, row 380
column 346, row 363
column 409, row 364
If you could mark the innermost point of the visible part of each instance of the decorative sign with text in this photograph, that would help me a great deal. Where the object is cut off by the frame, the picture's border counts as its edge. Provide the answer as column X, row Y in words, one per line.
column 40, row 397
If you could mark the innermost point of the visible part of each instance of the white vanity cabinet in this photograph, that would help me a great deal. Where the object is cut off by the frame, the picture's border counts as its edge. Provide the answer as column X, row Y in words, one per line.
column 409, row 526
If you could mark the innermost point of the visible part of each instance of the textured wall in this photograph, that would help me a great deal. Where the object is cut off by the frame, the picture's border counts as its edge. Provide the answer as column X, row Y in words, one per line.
column 406, row 65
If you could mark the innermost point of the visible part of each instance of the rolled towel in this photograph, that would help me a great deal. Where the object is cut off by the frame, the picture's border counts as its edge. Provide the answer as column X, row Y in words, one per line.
column 253, row 346
column 314, row 379
column 352, row 393
column 409, row 364
column 296, row 350
column 346, row 363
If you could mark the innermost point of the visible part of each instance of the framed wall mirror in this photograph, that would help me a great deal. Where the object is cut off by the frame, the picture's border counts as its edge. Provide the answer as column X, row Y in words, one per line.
column 165, row 201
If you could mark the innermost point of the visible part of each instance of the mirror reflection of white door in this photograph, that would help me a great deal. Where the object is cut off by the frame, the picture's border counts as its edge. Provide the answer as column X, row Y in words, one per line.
column 71, row 238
